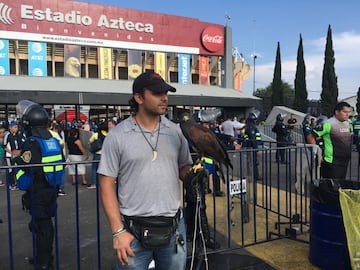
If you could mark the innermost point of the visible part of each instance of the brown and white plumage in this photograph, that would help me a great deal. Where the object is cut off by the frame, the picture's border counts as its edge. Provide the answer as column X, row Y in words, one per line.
column 205, row 142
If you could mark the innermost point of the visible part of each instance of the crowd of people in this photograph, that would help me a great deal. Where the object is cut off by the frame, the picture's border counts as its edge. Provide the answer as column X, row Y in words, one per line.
column 12, row 138
column 235, row 134
column 232, row 133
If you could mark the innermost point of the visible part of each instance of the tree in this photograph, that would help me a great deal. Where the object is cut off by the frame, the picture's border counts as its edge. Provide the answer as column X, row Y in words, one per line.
column 330, row 91
column 301, row 102
column 358, row 102
column 288, row 91
column 277, row 86
column 266, row 95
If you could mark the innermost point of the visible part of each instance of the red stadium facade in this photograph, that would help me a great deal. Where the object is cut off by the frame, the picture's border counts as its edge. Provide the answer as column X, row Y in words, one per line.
column 108, row 47
column 97, row 25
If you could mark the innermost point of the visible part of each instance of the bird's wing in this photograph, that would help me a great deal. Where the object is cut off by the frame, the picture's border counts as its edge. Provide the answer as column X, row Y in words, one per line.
column 206, row 142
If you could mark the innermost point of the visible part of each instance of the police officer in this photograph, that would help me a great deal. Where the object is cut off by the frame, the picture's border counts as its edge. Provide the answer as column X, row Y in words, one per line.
column 40, row 183
column 196, row 205
column 356, row 127
column 252, row 139
column 281, row 131
column 252, row 136
column 212, row 169
column 306, row 127
column 319, row 124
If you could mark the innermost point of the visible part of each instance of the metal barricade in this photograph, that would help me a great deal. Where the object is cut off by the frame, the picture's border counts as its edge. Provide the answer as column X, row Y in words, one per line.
column 262, row 204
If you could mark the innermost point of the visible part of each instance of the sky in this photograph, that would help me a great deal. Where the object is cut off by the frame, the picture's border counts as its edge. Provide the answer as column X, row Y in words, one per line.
column 258, row 25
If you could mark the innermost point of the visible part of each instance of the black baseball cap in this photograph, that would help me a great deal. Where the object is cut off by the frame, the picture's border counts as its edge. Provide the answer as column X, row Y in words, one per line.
column 153, row 81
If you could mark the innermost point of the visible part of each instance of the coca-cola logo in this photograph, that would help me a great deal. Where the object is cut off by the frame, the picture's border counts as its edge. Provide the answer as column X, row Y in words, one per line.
column 212, row 38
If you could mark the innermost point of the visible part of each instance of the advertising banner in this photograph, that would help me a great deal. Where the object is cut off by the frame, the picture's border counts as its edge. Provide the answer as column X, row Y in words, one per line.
column 4, row 57
column 203, row 70
column 88, row 24
column 105, row 63
column 37, row 59
column 134, row 64
column 184, row 69
column 72, row 66
column 160, row 64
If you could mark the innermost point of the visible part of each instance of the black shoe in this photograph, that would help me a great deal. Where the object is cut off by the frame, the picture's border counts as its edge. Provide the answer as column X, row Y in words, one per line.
column 61, row 193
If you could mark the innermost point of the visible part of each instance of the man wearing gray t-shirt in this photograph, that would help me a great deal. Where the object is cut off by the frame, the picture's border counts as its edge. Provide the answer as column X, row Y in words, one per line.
column 147, row 154
column 336, row 133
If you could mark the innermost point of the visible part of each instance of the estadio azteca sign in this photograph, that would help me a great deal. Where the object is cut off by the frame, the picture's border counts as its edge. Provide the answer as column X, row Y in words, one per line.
column 66, row 21
column 75, row 17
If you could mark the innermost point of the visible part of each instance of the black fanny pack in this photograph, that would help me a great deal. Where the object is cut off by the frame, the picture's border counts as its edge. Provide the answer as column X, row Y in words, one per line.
column 153, row 232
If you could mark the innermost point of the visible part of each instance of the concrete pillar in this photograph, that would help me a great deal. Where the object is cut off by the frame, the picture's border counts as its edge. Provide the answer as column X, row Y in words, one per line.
column 227, row 76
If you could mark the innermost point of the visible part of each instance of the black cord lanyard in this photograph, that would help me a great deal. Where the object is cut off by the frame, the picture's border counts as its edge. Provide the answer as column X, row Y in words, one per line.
column 154, row 149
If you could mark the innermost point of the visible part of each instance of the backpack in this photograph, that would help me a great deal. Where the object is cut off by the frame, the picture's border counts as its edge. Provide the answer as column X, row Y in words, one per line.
column 97, row 144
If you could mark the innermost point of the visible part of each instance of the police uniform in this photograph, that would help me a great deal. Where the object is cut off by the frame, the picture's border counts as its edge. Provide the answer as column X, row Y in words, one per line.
column 191, row 198
column 306, row 131
column 281, row 131
column 356, row 127
column 40, row 182
column 212, row 170
column 252, row 139
column 40, row 200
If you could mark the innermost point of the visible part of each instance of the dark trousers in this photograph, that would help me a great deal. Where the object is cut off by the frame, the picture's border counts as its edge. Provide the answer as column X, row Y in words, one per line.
column 11, row 176
column 42, row 207
column 216, row 182
column 333, row 171
column 94, row 168
column 44, row 234
column 280, row 153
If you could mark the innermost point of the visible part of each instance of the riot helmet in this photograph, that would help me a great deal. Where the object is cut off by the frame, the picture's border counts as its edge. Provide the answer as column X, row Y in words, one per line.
column 32, row 115
column 279, row 117
column 252, row 118
column 206, row 116
column 321, row 120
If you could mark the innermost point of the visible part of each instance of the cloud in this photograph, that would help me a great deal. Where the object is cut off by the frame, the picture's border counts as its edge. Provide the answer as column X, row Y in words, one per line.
column 347, row 65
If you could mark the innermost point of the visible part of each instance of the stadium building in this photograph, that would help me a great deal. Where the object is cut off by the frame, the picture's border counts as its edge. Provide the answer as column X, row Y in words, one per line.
column 76, row 55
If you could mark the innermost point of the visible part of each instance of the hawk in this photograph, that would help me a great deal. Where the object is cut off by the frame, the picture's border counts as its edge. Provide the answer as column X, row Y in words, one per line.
column 205, row 143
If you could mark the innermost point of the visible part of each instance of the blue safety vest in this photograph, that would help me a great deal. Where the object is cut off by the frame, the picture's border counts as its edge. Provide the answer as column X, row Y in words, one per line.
column 252, row 137
column 209, row 165
column 356, row 128
column 51, row 154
